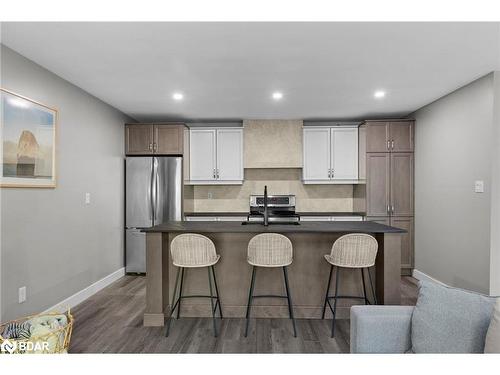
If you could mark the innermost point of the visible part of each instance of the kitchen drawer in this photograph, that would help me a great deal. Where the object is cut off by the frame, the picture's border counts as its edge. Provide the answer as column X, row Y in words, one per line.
column 232, row 218
column 216, row 218
column 201, row 218
column 315, row 218
column 347, row 218
column 331, row 218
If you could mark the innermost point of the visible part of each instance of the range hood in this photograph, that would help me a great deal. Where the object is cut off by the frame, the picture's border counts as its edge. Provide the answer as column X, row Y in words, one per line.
column 272, row 143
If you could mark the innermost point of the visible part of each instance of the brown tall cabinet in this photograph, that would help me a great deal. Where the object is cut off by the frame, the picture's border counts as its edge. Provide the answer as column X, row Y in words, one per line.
column 386, row 171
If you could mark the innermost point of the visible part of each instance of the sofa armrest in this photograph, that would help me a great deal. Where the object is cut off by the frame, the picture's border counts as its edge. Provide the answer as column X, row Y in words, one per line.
column 380, row 329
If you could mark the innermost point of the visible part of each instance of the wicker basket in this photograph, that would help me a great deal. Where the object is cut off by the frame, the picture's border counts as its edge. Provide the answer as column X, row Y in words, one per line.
column 57, row 341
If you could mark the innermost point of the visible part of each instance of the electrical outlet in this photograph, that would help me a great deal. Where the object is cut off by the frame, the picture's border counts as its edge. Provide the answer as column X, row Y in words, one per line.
column 87, row 198
column 209, row 195
column 479, row 186
column 22, row 294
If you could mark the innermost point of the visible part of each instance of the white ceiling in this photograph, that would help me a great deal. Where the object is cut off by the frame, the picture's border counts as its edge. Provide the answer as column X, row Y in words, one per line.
column 229, row 70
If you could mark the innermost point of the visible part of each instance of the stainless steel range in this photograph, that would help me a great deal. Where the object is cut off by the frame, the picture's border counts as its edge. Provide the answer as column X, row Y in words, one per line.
column 280, row 209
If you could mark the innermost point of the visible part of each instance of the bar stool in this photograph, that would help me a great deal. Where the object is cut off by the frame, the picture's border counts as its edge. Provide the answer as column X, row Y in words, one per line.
column 194, row 251
column 350, row 251
column 270, row 250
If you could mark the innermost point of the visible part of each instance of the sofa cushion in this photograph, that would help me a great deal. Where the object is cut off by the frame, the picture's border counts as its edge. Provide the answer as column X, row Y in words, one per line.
column 492, row 344
column 449, row 320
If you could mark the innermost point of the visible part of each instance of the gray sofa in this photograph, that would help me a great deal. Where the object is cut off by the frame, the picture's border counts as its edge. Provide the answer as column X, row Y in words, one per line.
column 444, row 320
column 381, row 329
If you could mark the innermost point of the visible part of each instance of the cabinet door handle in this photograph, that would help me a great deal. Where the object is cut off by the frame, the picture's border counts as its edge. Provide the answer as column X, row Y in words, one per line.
column 155, row 146
column 392, row 144
column 388, row 145
column 150, row 147
column 388, row 209
column 215, row 176
column 392, row 209
column 329, row 174
column 217, row 173
column 332, row 173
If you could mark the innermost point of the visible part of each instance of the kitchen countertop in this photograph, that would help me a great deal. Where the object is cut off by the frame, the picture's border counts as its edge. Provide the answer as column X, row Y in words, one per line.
column 304, row 227
column 215, row 214
column 337, row 213
column 201, row 214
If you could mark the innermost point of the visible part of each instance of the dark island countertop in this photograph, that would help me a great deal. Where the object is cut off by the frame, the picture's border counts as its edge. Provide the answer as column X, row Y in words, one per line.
column 337, row 213
column 304, row 227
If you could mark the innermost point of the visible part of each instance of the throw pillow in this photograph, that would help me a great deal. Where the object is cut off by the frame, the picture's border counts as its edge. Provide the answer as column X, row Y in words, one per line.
column 450, row 320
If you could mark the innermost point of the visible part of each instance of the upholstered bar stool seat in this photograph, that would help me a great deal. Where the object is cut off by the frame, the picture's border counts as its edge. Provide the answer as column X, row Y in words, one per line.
column 271, row 250
column 191, row 250
column 352, row 251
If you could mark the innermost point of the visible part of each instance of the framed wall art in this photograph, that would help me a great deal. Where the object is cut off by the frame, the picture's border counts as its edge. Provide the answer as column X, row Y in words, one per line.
column 28, row 148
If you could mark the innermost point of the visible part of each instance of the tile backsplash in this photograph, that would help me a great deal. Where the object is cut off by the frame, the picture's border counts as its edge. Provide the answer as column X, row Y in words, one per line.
column 234, row 198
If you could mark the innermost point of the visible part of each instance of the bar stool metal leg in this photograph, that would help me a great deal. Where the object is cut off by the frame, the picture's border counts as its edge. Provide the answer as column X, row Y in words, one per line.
column 289, row 298
column 327, row 292
column 217, row 293
column 371, row 285
column 212, row 301
column 335, row 300
column 364, row 286
column 174, row 303
column 180, row 293
column 250, row 296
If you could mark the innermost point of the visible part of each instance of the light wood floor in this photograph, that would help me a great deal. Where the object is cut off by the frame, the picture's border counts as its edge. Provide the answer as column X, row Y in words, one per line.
column 111, row 322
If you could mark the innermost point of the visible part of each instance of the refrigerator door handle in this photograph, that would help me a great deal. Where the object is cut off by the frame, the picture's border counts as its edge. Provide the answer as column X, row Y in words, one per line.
column 157, row 192
column 153, row 189
column 150, row 202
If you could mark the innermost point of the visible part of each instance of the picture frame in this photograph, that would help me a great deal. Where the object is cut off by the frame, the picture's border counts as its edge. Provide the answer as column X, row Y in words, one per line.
column 28, row 150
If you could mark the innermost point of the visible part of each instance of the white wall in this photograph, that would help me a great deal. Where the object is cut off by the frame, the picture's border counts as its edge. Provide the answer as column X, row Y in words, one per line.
column 495, row 192
column 453, row 148
column 52, row 242
column 1, row 140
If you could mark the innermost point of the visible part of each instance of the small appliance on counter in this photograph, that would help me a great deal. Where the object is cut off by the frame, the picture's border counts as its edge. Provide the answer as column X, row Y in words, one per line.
column 153, row 195
column 280, row 209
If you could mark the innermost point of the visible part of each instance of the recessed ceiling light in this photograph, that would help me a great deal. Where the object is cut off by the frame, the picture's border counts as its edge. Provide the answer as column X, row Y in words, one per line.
column 178, row 96
column 379, row 94
column 277, row 95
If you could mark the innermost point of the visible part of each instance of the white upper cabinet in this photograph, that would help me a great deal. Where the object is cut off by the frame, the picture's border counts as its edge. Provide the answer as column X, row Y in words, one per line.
column 330, row 155
column 202, row 154
column 216, row 156
column 230, row 154
column 344, row 153
column 316, row 154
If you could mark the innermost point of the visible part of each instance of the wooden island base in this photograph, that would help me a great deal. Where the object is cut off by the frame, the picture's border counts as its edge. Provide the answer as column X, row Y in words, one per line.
column 308, row 274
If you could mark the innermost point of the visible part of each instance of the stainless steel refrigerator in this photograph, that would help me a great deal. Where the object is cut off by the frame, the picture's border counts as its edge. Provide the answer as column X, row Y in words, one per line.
column 153, row 195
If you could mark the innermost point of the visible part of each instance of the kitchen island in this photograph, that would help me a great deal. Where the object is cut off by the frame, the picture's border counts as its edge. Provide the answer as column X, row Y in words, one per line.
column 308, row 273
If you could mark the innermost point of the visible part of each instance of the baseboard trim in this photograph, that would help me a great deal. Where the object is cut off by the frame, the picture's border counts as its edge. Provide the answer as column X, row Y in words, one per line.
column 86, row 293
column 419, row 275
